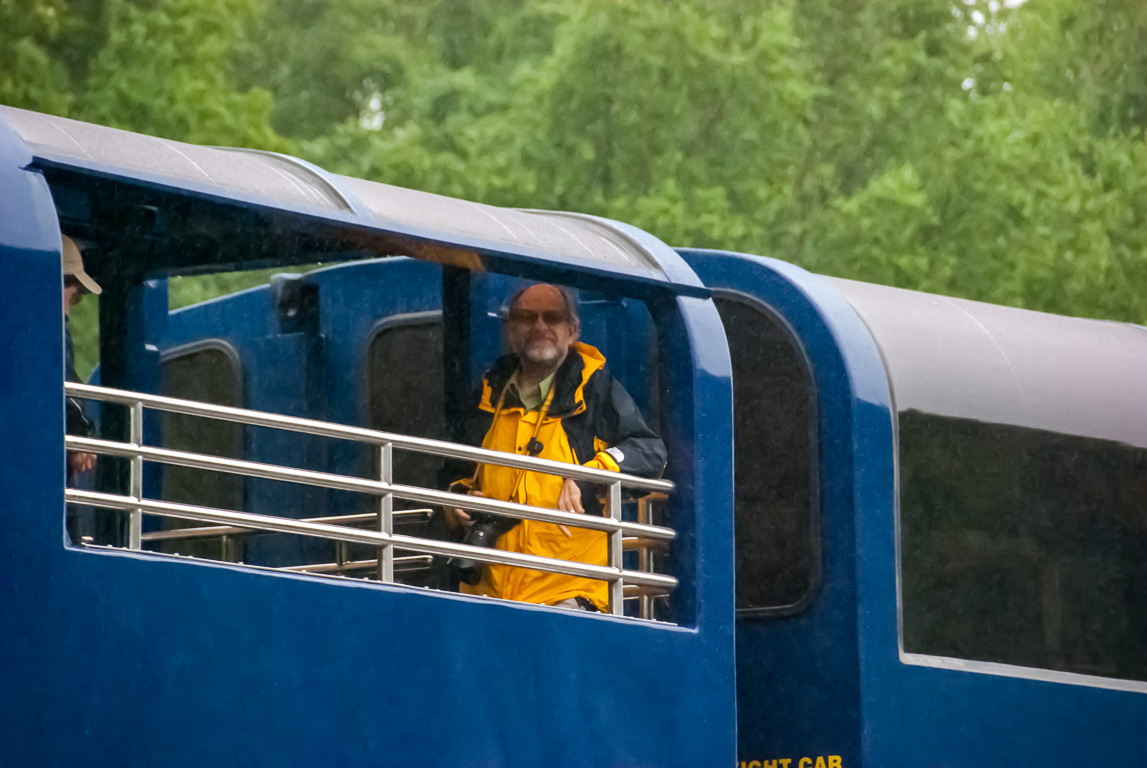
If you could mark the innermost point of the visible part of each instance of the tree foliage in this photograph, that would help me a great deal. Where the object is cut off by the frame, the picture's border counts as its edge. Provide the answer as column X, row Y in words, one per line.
column 965, row 148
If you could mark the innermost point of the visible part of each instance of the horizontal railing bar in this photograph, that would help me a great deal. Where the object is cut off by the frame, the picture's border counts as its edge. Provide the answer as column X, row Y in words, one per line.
column 375, row 538
column 408, row 563
column 524, row 511
column 640, row 590
column 212, row 531
column 362, row 485
column 419, row 515
column 361, row 434
column 634, row 543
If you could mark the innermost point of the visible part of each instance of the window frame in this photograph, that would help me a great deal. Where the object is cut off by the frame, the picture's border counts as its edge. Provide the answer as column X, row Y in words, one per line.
column 815, row 539
column 935, row 657
column 381, row 326
column 232, row 354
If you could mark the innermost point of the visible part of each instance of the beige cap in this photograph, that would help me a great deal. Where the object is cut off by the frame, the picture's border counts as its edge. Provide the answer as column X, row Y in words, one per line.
column 74, row 266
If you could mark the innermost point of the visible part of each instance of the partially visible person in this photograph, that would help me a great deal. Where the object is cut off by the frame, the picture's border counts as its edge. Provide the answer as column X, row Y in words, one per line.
column 77, row 284
column 551, row 398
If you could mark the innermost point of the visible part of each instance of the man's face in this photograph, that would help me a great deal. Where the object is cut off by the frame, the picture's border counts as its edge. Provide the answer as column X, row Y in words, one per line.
column 540, row 328
column 73, row 293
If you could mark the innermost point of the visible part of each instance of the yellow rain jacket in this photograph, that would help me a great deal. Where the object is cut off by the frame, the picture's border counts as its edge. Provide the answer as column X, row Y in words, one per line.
column 591, row 421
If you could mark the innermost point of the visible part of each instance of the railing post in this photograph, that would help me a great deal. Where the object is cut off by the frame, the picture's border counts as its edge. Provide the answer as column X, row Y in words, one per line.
column 616, row 552
column 135, row 517
column 644, row 555
column 386, row 513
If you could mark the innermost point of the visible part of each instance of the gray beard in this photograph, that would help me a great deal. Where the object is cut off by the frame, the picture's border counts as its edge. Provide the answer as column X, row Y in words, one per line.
column 540, row 352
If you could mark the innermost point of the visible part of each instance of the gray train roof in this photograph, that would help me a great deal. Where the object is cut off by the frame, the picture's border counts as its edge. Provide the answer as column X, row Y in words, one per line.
column 966, row 359
column 264, row 178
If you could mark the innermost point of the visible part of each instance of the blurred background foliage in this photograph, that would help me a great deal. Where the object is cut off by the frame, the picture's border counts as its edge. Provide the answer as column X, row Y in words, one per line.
column 967, row 147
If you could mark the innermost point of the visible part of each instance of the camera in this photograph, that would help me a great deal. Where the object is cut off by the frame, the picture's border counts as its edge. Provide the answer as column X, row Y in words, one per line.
column 485, row 532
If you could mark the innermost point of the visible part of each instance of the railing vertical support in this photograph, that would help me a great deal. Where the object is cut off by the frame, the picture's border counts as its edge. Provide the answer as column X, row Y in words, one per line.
column 386, row 513
column 644, row 555
column 616, row 553
column 135, row 517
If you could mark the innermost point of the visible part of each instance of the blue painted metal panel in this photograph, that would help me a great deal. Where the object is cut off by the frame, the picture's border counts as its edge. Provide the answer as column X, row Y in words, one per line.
column 203, row 665
column 31, row 448
column 798, row 685
column 353, row 299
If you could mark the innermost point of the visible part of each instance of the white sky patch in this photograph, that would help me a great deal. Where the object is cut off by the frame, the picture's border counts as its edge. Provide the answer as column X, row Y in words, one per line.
column 988, row 23
column 372, row 117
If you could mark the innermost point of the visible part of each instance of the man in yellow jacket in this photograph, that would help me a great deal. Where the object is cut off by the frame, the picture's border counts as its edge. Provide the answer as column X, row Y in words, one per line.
column 586, row 417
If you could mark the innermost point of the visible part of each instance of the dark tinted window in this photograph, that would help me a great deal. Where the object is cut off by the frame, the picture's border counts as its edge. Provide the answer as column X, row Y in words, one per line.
column 405, row 369
column 774, row 459
column 1023, row 547
column 211, row 375
column 406, row 396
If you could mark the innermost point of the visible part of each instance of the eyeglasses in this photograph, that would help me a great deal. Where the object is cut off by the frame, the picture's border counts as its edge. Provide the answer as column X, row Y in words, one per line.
column 527, row 317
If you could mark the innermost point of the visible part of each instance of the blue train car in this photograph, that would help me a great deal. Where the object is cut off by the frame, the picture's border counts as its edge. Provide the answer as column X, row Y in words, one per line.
column 896, row 529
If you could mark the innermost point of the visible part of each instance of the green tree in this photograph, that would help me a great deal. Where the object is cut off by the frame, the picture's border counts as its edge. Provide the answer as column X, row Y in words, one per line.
column 1009, row 191
column 33, row 74
column 970, row 149
column 167, row 70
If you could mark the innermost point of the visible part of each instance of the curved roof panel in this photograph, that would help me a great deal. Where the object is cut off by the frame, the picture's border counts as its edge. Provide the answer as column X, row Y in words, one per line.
column 965, row 359
column 70, row 142
column 265, row 178
column 582, row 238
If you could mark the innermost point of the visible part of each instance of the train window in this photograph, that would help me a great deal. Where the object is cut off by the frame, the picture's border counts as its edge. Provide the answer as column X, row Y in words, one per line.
column 777, row 550
column 208, row 372
column 405, row 385
column 405, row 382
column 1023, row 547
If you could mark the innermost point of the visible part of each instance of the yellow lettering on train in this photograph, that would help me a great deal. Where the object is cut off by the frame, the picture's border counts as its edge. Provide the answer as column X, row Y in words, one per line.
column 820, row 761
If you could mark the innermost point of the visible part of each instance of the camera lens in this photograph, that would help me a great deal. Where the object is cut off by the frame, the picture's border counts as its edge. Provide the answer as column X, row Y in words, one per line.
column 483, row 533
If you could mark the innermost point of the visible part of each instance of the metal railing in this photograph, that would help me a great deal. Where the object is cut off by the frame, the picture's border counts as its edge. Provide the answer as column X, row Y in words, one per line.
column 229, row 536
column 621, row 534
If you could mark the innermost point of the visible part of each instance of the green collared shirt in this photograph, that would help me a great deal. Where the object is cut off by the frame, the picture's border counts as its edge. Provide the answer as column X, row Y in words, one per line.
column 532, row 399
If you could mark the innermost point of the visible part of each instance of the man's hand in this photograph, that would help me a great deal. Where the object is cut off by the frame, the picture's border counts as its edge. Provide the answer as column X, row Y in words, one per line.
column 570, row 500
column 460, row 519
column 80, row 461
